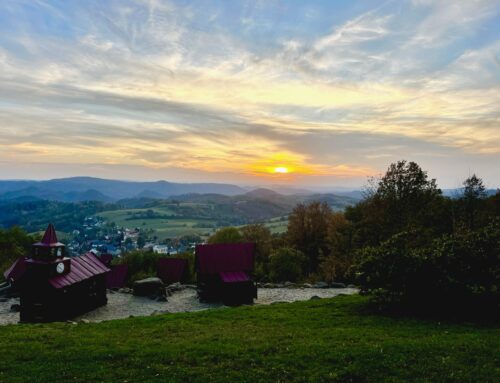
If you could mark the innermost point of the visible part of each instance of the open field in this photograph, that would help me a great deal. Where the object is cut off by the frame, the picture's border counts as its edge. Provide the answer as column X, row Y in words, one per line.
column 164, row 222
column 277, row 225
column 325, row 340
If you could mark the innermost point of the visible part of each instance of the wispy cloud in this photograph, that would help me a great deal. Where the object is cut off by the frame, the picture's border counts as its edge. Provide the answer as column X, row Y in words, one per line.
column 160, row 85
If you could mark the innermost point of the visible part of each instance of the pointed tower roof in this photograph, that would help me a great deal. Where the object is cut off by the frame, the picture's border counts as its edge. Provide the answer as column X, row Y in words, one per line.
column 50, row 235
column 49, row 238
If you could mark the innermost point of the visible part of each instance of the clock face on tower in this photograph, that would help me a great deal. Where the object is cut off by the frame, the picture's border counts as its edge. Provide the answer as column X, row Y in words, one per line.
column 60, row 268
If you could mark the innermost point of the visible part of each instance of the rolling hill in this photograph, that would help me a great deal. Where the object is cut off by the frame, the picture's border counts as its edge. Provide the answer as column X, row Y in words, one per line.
column 96, row 189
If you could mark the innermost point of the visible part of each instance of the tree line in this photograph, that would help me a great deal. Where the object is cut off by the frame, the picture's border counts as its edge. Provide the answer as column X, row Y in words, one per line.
column 404, row 244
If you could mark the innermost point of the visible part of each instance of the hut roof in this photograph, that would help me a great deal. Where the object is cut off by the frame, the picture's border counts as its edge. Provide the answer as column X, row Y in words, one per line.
column 106, row 259
column 16, row 270
column 211, row 259
column 83, row 267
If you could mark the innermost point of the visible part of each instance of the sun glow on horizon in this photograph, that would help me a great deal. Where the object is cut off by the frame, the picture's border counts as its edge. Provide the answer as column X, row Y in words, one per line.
column 281, row 169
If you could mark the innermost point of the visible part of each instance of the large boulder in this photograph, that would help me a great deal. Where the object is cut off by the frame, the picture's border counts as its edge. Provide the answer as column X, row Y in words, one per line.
column 15, row 308
column 149, row 287
column 320, row 285
column 337, row 285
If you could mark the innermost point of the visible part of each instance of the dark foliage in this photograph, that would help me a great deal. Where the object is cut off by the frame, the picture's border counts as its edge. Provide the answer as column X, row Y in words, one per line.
column 457, row 273
column 287, row 264
column 404, row 199
column 415, row 248
column 308, row 231
column 34, row 216
column 14, row 243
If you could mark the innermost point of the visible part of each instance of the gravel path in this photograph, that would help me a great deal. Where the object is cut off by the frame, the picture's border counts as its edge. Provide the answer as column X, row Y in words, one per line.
column 122, row 305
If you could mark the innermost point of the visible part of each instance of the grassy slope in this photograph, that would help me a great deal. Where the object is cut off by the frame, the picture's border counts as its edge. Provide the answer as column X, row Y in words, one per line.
column 163, row 227
column 316, row 341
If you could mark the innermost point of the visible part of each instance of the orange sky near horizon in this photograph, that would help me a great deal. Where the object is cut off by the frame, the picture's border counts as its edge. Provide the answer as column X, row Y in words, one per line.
column 297, row 93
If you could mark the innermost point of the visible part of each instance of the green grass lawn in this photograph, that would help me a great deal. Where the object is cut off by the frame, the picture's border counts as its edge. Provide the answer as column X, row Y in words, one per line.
column 316, row 341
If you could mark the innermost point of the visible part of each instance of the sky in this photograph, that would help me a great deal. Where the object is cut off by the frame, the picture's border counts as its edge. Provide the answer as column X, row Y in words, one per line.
column 305, row 93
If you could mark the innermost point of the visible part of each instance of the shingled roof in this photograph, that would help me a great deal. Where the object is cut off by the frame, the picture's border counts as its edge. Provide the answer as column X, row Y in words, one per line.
column 83, row 267
column 16, row 270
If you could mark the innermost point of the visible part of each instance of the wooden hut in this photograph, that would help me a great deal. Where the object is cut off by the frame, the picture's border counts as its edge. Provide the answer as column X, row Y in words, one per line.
column 224, row 273
column 172, row 270
column 117, row 277
column 54, row 287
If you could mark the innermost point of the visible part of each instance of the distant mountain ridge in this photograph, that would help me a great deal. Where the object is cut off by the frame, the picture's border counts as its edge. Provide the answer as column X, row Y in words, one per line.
column 97, row 189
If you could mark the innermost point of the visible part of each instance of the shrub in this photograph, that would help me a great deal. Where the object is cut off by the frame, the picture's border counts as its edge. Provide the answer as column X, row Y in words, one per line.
column 332, row 268
column 459, row 272
column 287, row 264
column 262, row 238
column 14, row 243
column 226, row 235
column 189, row 257
column 141, row 264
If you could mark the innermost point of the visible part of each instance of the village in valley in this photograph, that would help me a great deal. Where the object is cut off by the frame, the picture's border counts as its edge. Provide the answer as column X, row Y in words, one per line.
column 99, row 237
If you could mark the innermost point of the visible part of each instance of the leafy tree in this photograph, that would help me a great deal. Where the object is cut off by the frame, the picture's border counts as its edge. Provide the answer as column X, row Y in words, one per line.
column 308, row 231
column 335, row 265
column 405, row 190
column 474, row 193
column 141, row 240
column 403, row 199
column 226, row 235
column 261, row 236
column 286, row 264
column 14, row 243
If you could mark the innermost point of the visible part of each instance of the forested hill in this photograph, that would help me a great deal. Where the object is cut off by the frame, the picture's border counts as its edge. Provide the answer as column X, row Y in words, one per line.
column 33, row 214
column 96, row 189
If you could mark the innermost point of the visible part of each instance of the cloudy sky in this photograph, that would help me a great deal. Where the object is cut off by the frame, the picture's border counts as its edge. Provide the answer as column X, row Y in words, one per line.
column 316, row 93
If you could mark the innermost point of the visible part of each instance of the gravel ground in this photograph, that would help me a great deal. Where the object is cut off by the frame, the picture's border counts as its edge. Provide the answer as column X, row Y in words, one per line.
column 121, row 305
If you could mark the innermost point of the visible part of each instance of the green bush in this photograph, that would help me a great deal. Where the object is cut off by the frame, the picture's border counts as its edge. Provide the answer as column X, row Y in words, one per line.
column 144, row 264
column 189, row 257
column 287, row 264
column 14, row 243
column 459, row 272
column 226, row 235
column 141, row 264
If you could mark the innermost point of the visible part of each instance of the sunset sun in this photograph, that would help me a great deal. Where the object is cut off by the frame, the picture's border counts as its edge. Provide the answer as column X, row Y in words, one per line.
column 281, row 169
